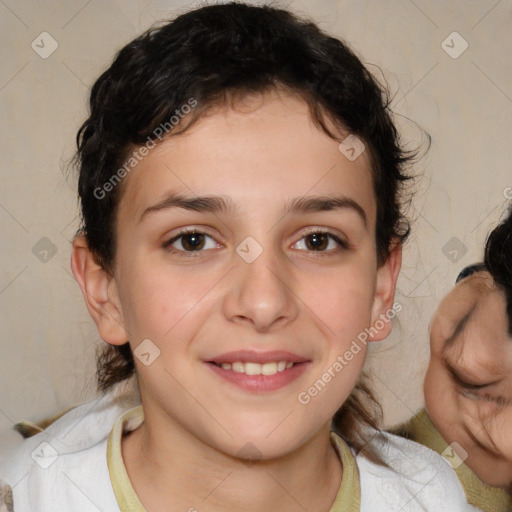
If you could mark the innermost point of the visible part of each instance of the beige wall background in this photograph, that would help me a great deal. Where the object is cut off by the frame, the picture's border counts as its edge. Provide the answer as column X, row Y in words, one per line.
column 461, row 96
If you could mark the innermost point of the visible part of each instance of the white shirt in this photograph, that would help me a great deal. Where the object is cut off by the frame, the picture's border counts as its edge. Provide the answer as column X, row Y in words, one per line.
column 64, row 468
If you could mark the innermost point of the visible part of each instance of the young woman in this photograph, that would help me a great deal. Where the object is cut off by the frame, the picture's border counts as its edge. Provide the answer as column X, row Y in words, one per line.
column 240, row 185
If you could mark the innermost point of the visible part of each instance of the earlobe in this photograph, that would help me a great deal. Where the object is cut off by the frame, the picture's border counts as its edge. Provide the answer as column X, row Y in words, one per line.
column 100, row 293
column 387, row 276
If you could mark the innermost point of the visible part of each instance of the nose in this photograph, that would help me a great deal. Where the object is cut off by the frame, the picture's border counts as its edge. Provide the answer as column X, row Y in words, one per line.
column 261, row 292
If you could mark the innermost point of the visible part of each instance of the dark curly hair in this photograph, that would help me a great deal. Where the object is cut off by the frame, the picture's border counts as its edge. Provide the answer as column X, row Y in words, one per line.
column 498, row 260
column 213, row 55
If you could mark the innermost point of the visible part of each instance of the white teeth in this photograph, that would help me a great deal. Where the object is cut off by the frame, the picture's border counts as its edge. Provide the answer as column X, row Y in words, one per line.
column 238, row 367
column 258, row 369
column 269, row 369
column 252, row 369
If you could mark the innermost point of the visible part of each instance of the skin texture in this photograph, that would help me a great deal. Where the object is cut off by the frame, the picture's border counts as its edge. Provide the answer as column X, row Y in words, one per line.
column 469, row 334
column 261, row 154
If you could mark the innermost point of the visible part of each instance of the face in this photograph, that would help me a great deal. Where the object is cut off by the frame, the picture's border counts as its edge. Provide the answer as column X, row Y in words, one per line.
column 468, row 386
column 261, row 279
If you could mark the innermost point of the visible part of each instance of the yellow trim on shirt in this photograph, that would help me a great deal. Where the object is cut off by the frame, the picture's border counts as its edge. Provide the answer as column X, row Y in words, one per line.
column 127, row 499
column 420, row 428
column 348, row 498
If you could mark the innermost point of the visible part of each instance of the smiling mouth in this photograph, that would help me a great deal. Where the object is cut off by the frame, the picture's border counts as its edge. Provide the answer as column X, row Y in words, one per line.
column 249, row 368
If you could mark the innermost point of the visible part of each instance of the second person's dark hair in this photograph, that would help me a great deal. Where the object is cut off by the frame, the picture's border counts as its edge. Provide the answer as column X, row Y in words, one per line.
column 498, row 260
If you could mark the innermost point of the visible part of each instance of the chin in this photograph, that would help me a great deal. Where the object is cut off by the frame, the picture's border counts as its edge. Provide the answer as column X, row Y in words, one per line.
column 265, row 443
column 263, row 450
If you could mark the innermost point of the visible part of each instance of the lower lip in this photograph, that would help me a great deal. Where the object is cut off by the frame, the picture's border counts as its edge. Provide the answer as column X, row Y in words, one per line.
column 261, row 383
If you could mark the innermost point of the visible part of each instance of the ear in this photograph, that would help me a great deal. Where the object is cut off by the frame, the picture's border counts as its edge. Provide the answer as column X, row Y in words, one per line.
column 100, row 293
column 387, row 276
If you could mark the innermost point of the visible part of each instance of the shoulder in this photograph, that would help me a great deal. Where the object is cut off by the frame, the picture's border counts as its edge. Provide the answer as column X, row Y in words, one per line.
column 65, row 466
column 416, row 478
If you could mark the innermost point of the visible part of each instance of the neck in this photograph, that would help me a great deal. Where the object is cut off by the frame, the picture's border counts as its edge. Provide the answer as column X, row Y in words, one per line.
column 167, row 464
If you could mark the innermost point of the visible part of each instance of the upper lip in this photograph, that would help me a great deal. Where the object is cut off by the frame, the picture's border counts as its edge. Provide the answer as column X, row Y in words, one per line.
column 249, row 356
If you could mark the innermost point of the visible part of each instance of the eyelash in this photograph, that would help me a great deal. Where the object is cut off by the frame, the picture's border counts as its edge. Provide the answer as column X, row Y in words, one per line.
column 343, row 245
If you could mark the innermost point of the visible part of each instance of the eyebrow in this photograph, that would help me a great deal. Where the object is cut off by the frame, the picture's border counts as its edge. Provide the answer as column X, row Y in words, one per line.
column 323, row 204
column 223, row 204
column 206, row 204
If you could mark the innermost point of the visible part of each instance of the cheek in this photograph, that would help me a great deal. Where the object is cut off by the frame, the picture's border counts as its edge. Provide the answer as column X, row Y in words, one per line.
column 340, row 308
column 342, row 303
column 430, row 390
column 154, row 301
column 439, row 328
column 440, row 396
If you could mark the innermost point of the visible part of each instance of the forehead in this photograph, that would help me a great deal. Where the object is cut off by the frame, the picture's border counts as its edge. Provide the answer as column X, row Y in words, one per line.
column 476, row 303
column 264, row 151
column 469, row 331
column 490, row 310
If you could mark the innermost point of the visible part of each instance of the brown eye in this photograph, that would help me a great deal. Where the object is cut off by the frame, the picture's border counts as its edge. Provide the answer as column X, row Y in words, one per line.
column 193, row 241
column 317, row 241
column 322, row 242
column 189, row 241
